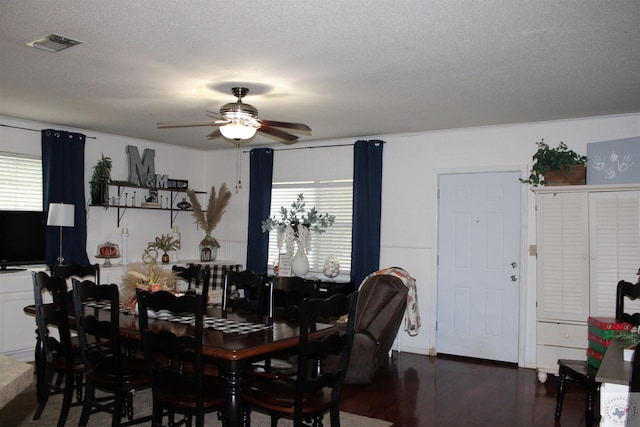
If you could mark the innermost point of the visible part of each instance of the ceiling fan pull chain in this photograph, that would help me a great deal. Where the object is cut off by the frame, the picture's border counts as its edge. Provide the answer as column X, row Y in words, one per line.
column 238, row 168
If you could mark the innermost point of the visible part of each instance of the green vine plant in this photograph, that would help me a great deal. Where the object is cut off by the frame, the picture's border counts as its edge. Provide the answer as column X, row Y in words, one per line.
column 550, row 159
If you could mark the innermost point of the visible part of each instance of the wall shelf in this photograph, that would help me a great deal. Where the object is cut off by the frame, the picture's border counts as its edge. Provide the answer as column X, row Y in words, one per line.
column 166, row 204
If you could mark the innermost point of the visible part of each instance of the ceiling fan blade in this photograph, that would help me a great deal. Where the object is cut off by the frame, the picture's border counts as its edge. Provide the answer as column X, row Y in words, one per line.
column 286, row 125
column 215, row 115
column 215, row 134
column 286, row 138
column 187, row 124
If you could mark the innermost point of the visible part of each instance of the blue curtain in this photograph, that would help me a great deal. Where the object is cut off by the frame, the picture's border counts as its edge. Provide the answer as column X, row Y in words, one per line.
column 367, row 201
column 261, row 174
column 63, row 181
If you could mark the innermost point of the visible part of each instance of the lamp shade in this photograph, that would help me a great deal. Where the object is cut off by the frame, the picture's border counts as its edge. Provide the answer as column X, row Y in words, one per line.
column 61, row 215
column 238, row 130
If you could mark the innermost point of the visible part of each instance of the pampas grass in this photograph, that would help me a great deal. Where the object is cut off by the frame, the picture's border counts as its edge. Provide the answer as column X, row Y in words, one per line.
column 215, row 208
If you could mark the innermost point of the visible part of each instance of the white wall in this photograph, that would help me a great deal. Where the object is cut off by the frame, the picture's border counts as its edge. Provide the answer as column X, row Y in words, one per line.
column 143, row 225
column 412, row 163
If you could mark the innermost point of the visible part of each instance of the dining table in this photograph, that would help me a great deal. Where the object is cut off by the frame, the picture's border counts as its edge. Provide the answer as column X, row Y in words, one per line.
column 618, row 406
column 233, row 340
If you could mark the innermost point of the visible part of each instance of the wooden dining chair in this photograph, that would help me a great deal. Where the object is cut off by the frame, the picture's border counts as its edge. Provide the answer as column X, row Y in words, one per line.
column 55, row 357
column 77, row 271
column 108, row 367
column 174, row 360
column 314, row 390
column 245, row 291
column 580, row 371
column 288, row 293
column 191, row 274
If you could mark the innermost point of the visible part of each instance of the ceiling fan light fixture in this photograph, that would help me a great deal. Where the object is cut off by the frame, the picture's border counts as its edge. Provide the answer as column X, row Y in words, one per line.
column 238, row 130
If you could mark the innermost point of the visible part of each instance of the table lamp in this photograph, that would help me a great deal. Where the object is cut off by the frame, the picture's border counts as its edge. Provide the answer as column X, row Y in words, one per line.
column 61, row 215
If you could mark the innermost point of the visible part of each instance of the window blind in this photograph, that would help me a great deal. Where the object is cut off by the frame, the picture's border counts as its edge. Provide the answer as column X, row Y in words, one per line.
column 20, row 182
column 333, row 197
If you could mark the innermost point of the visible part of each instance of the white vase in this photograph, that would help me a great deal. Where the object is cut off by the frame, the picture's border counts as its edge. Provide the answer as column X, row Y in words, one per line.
column 300, row 263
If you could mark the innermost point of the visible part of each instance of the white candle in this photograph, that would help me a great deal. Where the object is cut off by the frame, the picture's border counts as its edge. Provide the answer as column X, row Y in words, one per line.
column 125, row 230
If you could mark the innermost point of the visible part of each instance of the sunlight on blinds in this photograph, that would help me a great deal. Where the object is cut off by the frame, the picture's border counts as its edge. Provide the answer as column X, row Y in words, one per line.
column 333, row 197
column 20, row 182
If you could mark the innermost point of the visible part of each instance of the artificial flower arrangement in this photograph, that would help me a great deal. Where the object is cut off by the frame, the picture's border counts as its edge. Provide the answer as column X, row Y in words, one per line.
column 148, row 277
column 209, row 219
column 293, row 228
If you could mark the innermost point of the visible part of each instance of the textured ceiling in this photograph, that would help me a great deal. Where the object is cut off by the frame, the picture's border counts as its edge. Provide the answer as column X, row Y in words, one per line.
column 346, row 68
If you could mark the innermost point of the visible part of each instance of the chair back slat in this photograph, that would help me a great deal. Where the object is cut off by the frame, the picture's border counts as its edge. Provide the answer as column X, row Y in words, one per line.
column 77, row 271
column 626, row 290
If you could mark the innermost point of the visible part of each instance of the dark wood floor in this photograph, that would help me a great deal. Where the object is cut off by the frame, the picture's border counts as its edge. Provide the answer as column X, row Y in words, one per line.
column 422, row 391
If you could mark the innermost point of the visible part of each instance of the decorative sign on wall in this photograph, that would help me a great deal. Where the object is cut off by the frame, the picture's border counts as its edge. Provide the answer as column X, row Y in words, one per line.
column 142, row 171
column 614, row 162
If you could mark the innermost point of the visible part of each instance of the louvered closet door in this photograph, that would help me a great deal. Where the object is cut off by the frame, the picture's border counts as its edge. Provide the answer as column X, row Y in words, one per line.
column 614, row 230
column 563, row 256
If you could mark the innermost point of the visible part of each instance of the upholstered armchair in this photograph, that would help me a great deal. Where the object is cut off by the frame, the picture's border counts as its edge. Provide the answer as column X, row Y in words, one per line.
column 381, row 307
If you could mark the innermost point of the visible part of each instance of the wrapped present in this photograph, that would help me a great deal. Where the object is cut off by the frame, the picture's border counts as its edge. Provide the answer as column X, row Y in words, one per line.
column 594, row 358
column 598, row 342
column 598, row 345
column 606, row 327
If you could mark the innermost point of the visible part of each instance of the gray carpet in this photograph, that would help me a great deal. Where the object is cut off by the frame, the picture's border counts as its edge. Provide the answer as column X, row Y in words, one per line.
column 19, row 412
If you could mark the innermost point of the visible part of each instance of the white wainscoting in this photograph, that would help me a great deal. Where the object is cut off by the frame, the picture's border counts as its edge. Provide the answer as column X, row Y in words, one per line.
column 233, row 251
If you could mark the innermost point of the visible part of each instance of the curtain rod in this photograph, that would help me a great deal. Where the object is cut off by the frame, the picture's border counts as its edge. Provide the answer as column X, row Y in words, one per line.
column 308, row 148
column 38, row 130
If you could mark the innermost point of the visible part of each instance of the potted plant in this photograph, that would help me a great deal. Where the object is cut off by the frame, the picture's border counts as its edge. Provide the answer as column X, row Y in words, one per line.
column 100, row 181
column 165, row 243
column 295, row 226
column 556, row 166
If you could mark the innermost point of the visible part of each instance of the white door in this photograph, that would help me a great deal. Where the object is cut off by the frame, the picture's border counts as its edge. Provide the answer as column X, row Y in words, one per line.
column 478, row 265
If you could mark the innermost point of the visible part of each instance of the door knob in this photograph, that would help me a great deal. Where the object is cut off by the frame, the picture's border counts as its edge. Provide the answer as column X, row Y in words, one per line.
column 514, row 264
column 514, row 277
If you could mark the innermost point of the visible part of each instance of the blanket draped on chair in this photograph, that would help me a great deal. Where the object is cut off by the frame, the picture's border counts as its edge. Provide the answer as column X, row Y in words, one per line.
column 412, row 320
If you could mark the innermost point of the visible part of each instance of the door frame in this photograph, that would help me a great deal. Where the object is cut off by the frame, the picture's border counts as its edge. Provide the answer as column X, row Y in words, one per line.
column 527, row 295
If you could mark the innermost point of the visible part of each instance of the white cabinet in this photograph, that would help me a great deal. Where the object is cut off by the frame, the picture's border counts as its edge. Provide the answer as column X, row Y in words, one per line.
column 17, row 330
column 588, row 238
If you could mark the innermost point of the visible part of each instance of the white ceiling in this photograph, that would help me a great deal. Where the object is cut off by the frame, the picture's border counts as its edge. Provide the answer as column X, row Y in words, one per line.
column 348, row 69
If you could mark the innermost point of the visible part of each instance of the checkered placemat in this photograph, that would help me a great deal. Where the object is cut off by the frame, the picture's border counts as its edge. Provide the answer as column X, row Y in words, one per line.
column 227, row 326
column 232, row 326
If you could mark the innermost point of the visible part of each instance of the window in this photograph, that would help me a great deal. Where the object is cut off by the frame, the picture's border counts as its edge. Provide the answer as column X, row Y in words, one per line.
column 20, row 182
column 333, row 197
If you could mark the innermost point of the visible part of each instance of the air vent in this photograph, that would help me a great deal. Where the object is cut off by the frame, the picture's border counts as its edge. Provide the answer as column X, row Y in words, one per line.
column 53, row 43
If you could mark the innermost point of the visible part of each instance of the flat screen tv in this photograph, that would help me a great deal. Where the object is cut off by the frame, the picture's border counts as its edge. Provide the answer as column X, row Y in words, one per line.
column 22, row 238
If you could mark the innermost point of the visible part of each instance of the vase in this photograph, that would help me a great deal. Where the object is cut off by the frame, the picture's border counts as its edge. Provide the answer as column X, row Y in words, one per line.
column 165, row 258
column 300, row 263
column 208, row 248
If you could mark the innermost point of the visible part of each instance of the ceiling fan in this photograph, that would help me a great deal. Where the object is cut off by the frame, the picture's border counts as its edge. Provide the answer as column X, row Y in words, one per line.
column 239, row 121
